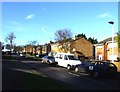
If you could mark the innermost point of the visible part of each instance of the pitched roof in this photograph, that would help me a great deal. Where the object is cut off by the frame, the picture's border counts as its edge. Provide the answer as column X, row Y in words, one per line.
column 62, row 41
column 106, row 40
column 70, row 40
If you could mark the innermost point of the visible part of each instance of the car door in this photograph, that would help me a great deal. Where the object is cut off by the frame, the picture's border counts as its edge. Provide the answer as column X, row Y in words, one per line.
column 46, row 59
column 65, row 61
column 58, row 59
column 61, row 60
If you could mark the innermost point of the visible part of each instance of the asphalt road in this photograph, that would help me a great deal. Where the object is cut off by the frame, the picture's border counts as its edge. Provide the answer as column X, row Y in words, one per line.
column 77, row 81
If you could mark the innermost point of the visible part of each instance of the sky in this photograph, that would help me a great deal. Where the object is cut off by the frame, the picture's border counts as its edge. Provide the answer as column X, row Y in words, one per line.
column 39, row 21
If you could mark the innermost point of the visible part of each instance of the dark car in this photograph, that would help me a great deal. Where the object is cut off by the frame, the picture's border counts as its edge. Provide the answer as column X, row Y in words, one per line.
column 99, row 68
column 83, row 67
column 48, row 60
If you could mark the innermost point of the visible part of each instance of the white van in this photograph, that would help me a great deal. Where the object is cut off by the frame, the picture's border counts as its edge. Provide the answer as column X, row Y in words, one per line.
column 67, row 60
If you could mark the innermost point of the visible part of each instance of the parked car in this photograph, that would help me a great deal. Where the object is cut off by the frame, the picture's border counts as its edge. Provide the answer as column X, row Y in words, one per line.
column 67, row 60
column 22, row 54
column 99, row 68
column 14, row 54
column 83, row 67
column 48, row 60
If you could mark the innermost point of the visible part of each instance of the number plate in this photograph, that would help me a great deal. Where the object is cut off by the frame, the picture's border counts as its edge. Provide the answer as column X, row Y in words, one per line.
column 90, row 67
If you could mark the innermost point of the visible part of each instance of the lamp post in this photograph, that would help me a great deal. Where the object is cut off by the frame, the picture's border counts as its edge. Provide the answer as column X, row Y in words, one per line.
column 111, row 22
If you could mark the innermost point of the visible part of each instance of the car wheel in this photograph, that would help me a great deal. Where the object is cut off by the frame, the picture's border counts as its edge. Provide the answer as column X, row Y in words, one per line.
column 68, row 67
column 76, row 69
column 48, row 62
column 56, row 64
column 96, row 74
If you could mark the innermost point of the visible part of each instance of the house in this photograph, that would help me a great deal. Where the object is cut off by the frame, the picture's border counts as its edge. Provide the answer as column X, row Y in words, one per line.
column 28, row 49
column 46, row 48
column 80, row 47
column 55, row 47
column 61, row 46
column 39, row 49
column 103, row 50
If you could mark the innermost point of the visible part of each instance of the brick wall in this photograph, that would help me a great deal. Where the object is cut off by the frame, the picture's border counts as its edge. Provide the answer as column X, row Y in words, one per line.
column 83, row 46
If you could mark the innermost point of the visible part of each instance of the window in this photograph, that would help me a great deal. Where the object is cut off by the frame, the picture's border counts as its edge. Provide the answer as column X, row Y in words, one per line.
column 50, row 57
column 65, row 57
column 57, row 56
column 71, row 57
column 61, row 56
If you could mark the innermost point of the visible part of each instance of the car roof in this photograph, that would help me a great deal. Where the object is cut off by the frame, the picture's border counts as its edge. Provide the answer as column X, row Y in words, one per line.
column 104, row 61
column 64, row 53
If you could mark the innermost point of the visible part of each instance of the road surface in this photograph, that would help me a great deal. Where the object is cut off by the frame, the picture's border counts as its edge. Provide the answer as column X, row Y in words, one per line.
column 77, row 81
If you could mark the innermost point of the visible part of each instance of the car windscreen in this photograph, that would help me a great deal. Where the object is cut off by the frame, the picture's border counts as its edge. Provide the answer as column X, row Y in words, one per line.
column 50, row 57
column 72, row 57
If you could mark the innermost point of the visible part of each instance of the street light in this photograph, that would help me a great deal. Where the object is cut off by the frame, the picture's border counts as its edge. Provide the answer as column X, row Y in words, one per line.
column 111, row 22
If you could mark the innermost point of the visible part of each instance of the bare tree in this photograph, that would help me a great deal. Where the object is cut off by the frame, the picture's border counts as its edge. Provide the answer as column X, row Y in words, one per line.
column 10, row 39
column 63, row 36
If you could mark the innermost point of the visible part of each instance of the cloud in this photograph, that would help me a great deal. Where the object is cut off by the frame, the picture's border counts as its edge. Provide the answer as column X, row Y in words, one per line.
column 104, row 15
column 45, row 31
column 30, row 16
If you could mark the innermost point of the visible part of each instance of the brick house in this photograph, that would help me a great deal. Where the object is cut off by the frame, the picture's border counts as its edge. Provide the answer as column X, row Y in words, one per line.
column 61, row 46
column 28, row 48
column 31, row 49
column 80, row 47
column 46, row 48
column 55, row 47
column 103, row 50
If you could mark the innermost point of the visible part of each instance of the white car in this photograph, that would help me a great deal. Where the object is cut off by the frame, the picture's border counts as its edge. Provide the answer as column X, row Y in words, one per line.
column 67, row 60
column 48, row 59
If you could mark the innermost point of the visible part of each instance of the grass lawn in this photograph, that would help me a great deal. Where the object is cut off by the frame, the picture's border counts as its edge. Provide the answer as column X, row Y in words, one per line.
column 38, row 82
column 26, row 58
column 8, row 57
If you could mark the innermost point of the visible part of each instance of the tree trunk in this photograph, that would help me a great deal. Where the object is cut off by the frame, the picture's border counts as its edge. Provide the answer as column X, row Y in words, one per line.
column 10, row 49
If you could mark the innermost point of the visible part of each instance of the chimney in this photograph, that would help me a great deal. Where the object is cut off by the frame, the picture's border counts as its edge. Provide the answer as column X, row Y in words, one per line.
column 74, row 38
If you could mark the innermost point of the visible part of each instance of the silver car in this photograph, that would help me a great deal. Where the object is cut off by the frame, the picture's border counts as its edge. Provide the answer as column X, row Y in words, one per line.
column 48, row 60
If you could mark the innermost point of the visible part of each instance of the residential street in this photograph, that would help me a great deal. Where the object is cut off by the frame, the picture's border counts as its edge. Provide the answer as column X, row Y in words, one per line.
column 71, row 46
column 13, row 79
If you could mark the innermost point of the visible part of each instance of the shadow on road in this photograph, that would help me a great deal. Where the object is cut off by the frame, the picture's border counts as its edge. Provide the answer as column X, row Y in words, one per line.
column 13, row 79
